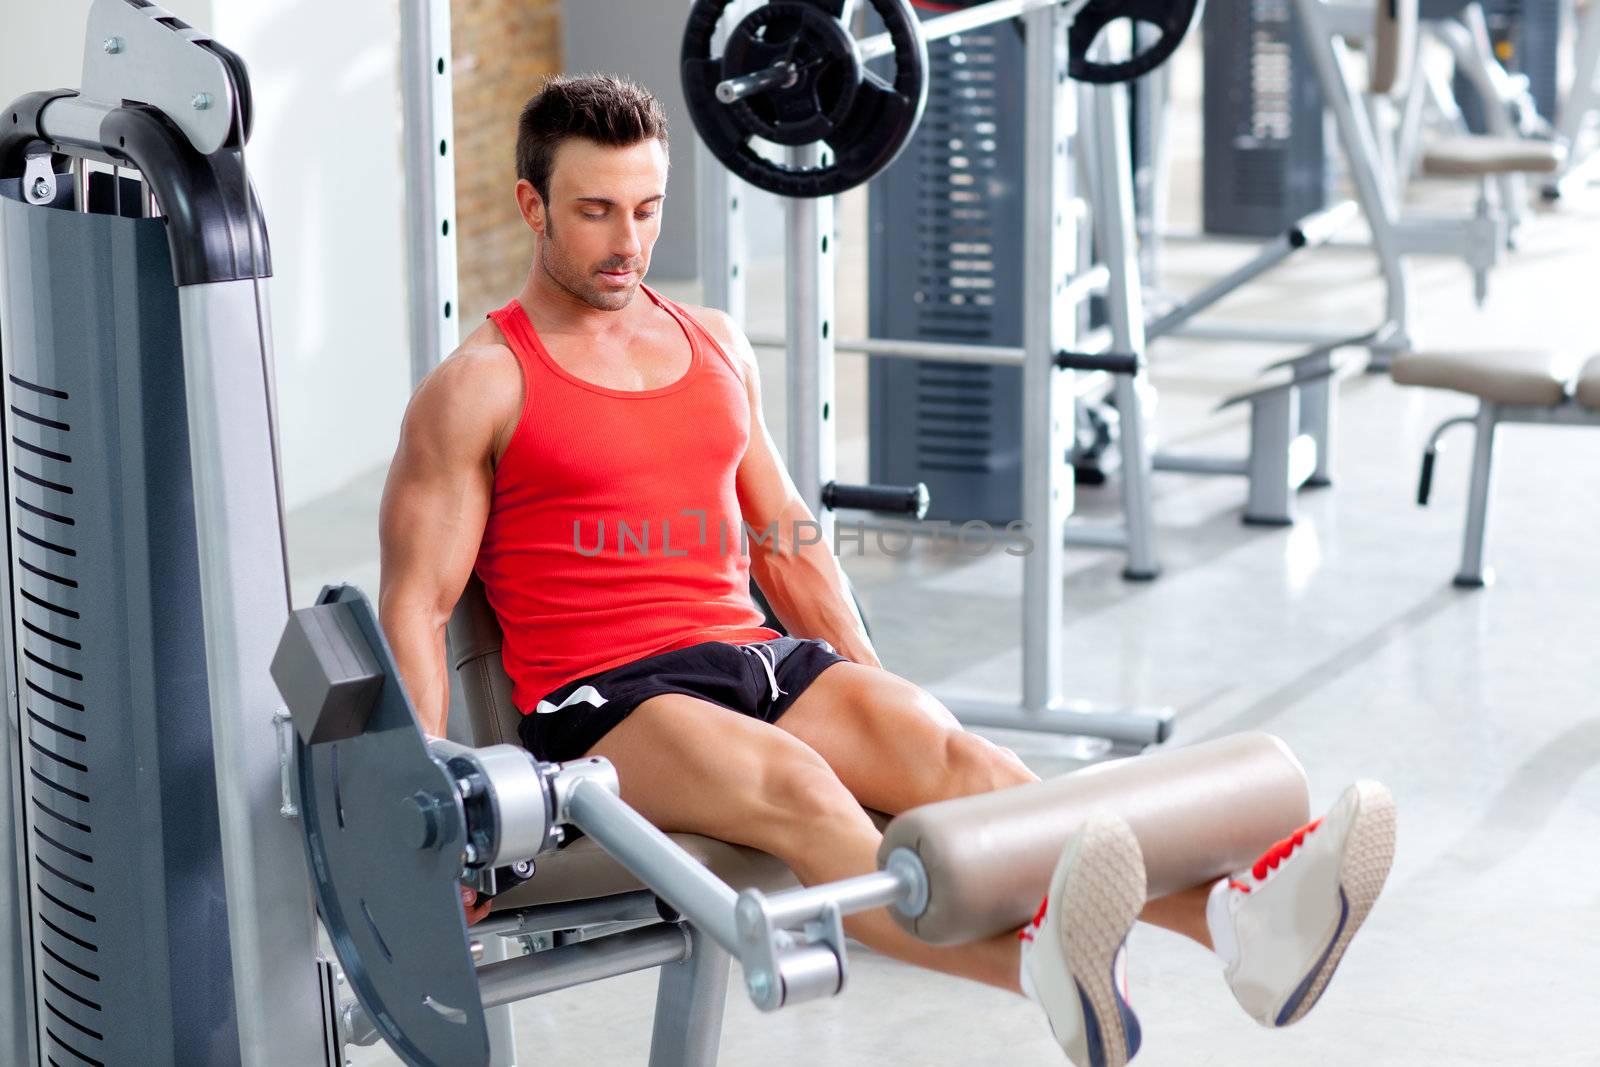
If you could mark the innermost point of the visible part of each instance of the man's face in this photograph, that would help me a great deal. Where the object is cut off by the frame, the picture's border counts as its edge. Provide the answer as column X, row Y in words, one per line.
column 603, row 218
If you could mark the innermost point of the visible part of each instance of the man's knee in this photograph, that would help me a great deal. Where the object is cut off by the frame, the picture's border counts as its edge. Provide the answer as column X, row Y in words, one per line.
column 975, row 764
column 802, row 796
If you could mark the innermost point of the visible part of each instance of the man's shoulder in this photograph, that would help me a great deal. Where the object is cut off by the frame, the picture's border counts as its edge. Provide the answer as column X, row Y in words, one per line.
column 479, row 384
column 720, row 325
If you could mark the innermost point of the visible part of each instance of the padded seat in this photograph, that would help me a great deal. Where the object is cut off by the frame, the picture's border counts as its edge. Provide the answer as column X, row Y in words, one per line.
column 1477, row 156
column 1588, row 390
column 1504, row 376
column 582, row 870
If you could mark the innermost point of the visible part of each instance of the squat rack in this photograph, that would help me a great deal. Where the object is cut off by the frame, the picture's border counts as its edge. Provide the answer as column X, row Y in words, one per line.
column 1057, row 279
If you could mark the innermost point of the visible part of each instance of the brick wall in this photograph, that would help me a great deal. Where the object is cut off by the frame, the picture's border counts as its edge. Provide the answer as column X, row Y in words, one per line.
column 503, row 50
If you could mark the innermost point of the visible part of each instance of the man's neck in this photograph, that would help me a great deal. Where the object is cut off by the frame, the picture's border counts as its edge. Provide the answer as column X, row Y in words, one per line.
column 558, row 310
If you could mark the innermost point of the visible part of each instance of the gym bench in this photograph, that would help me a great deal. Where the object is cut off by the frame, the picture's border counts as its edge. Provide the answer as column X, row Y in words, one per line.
column 1511, row 386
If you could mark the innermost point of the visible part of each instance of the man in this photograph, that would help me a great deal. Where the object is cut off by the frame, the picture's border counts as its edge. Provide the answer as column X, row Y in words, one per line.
column 595, row 451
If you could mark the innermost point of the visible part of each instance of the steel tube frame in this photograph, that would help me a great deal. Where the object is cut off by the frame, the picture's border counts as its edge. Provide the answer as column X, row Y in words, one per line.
column 1054, row 284
column 876, row 890
column 245, row 603
column 429, row 148
column 808, row 313
column 972, row 18
column 1115, row 229
column 1310, row 232
column 1582, row 100
column 577, row 964
column 1473, row 572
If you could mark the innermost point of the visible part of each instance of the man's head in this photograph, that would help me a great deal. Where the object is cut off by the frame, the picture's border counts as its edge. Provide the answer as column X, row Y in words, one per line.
column 591, row 178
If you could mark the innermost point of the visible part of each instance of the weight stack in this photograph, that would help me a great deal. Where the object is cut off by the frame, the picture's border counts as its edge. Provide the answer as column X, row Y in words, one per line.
column 945, row 259
column 1266, row 157
column 117, row 876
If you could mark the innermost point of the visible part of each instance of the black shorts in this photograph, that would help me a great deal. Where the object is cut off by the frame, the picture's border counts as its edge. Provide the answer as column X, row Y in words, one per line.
column 760, row 680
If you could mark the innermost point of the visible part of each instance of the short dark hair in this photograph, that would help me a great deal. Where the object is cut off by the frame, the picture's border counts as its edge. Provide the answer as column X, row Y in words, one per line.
column 602, row 108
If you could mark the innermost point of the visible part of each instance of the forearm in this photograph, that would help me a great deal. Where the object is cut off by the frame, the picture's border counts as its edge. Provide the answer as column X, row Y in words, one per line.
column 417, row 638
column 806, row 588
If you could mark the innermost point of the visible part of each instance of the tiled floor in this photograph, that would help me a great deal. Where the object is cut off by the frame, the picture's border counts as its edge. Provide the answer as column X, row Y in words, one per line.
column 1481, row 710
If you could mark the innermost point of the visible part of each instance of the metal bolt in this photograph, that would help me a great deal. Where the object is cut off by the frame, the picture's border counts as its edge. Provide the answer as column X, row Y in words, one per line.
column 201, row 101
column 523, row 868
column 112, row 45
column 759, row 985
column 41, row 189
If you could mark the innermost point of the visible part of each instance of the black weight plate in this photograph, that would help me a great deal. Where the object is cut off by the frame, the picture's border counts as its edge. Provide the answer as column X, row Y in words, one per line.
column 1173, row 18
column 863, row 119
column 391, row 906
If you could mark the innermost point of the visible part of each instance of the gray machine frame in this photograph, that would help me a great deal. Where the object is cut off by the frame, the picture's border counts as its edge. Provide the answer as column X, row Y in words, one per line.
column 139, row 60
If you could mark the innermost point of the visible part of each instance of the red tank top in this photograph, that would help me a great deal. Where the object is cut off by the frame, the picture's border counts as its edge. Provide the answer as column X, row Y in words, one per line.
column 614, row 529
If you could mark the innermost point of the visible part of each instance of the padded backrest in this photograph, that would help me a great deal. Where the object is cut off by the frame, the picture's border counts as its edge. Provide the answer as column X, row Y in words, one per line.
column 1394, row 45
column 474, row 639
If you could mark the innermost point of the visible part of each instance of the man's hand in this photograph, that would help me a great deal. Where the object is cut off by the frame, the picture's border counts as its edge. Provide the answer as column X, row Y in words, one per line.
column 476, row 912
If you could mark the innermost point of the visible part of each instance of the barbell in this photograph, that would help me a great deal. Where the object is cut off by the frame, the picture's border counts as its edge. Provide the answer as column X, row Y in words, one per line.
column 792, row 73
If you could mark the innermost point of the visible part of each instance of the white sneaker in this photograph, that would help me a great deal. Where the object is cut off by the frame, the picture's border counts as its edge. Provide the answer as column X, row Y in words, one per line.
column 1282, row 926
column 1073, row 962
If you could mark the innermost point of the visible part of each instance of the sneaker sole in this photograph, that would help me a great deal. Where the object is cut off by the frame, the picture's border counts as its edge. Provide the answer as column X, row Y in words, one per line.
column 1368, row 855
column 1103, row 895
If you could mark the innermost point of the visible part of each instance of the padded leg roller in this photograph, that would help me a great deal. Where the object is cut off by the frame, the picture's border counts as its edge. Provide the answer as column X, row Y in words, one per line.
column 1199, row 812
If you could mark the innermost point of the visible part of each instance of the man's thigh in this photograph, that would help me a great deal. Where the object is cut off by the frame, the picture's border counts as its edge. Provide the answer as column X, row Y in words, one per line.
column 691, row 766
column 892, row 743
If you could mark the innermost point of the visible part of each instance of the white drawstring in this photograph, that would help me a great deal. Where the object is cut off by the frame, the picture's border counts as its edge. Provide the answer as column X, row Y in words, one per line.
column 768, row 665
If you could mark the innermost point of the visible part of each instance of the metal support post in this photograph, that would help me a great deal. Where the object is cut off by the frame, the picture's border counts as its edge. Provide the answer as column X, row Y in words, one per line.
column 1049, row 237
column 722, row 245
column 245, row 602
column 1378, row 202
column 430, row 182
column 1472, row 573
column 809, row 311
column 1107, row 109
column 690, row 999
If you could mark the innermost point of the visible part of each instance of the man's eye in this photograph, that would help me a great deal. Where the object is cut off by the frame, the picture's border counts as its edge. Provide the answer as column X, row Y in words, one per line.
column 645, row 215
column 595, row 216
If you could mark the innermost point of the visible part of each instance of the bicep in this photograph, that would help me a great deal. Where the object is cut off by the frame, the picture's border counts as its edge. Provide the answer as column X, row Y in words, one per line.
column 435, row 506
column 765, row 488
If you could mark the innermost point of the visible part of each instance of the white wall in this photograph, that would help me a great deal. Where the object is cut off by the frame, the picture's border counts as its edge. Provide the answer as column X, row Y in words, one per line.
column 326, row 160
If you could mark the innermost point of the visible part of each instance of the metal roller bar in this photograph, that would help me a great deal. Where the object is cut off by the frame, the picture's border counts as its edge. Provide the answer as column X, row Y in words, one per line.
column 1092, row 344
column 876, row 890
column 1201, row 464
column 932, row 350
column 1069, row 719
column 581, row 963
column 780, row 75
column 74, row 123
column 1309, row 232
column 1264, row 332
column 678, row 878
column 973, row 18
column 636, row 906
column 1096, row 535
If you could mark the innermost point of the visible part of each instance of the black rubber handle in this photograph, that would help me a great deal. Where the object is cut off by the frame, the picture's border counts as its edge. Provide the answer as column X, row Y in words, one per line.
column 1114, row 362
column 1425, row 483
column 901, row 499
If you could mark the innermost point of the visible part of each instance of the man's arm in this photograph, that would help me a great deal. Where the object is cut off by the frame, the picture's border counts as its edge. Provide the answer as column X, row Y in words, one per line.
column 803, row 582
column 435, row 504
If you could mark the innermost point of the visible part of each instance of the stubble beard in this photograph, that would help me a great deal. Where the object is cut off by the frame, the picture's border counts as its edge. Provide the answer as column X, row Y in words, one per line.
column 560, row 270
